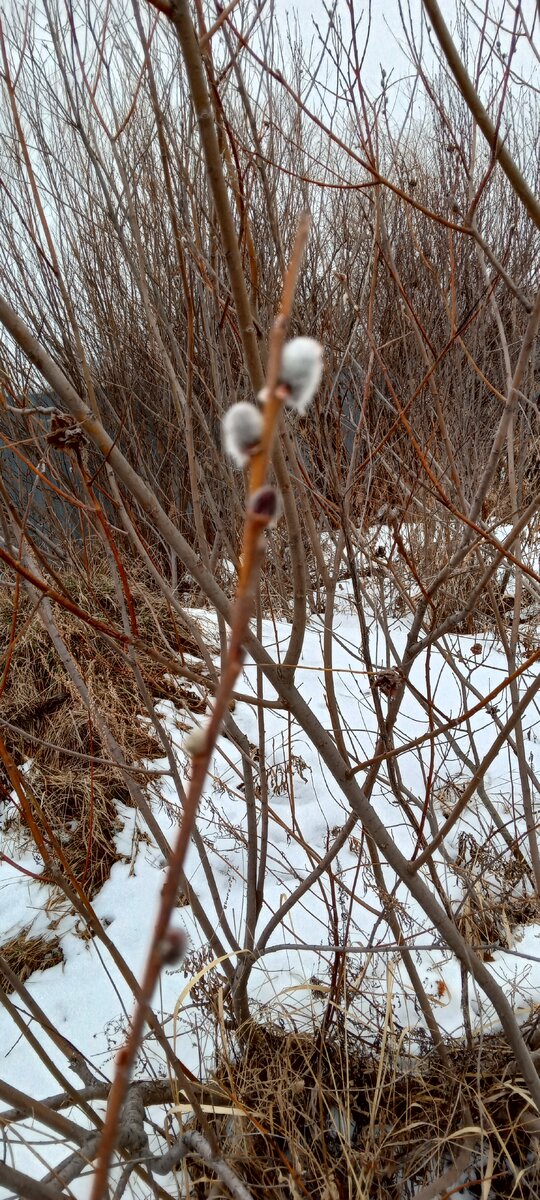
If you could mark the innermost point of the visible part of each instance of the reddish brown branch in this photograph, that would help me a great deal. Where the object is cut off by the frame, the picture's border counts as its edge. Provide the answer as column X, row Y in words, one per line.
column 253, row 551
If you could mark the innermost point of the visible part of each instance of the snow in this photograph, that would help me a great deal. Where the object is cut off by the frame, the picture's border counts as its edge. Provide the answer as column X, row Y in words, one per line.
column 86, row 997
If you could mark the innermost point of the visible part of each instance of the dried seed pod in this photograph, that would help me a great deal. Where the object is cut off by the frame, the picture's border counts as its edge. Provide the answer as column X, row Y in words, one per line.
column 300, row 373
column 242, row 428
column 387, row 681
column 65, row 433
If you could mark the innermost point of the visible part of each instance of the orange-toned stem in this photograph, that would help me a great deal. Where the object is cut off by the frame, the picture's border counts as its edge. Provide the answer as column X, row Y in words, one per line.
column 252, row 557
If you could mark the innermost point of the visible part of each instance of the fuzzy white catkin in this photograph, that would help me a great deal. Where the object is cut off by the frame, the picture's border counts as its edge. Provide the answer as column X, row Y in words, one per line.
column 242, row 428
column 194, row 741
column 300, row 373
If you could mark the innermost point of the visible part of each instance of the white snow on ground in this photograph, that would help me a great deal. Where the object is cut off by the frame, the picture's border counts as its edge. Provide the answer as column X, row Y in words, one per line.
column 88, row 1001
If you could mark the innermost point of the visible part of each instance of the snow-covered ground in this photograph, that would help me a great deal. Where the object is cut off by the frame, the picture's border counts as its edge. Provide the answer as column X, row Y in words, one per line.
column 87, row 1000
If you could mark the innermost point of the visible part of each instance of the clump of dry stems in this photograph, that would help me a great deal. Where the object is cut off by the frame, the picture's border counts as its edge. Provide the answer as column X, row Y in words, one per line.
column 75, row 784
column 25, row 954
column 338, row 1118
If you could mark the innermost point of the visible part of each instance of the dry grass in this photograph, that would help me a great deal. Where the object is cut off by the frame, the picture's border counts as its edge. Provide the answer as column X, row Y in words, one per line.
column 497, row 898
column 78, row 796
column 25, row 954
column 338, row 1120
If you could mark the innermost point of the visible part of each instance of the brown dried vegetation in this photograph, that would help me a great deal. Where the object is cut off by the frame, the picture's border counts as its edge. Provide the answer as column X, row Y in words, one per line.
column 76, row 786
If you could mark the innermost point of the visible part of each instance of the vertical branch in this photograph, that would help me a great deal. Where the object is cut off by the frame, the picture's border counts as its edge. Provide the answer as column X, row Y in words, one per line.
column 191, row 52
column 252, row 554
column 489, row 129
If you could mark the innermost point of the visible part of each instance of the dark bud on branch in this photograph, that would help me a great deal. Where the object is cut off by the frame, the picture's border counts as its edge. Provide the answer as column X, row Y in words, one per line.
column 266, row 504
column 172, row 947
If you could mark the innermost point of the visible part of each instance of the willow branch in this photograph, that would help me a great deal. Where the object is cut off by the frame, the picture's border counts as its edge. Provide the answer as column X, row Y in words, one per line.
column 480, row 114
